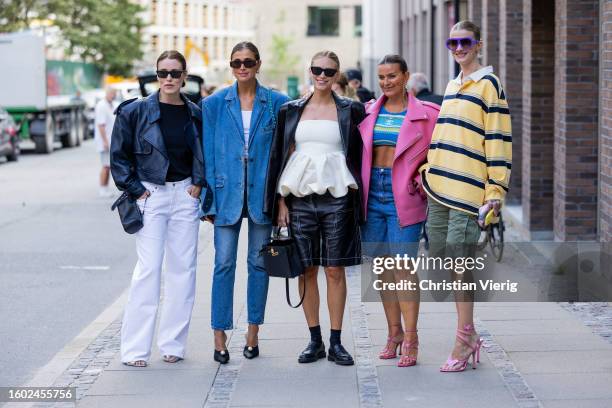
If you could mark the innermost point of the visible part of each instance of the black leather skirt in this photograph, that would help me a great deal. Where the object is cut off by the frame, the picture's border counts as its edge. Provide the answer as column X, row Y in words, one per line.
column 326, row 229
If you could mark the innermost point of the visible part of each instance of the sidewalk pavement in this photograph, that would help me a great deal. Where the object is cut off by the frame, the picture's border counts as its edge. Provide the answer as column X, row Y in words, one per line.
column 537, row 354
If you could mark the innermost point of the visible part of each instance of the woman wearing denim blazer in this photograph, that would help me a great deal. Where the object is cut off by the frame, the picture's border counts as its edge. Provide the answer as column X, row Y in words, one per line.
column 239, row 122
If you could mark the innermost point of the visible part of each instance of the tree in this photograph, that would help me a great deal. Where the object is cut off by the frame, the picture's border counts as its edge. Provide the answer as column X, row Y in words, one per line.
column 104, row 32
column 283, row 63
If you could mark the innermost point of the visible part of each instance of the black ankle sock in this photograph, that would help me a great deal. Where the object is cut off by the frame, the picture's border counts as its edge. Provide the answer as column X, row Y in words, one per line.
column 334, row 337
column 315, row 334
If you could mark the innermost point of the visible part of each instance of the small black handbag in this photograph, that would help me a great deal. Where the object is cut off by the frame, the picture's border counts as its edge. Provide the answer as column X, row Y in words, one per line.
column 282, row 260
column 129, row 213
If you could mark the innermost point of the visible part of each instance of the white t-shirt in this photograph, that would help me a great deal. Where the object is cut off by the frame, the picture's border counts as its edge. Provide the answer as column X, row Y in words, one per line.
column 104, row 116
column 246, row 124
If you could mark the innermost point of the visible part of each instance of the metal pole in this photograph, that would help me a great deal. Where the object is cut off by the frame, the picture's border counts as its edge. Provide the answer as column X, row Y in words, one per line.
column 456, row 7
column 432, row 57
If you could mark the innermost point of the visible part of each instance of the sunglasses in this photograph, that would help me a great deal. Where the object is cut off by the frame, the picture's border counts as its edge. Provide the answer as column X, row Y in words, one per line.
column 248, row 63
column 465, row 43
column 175, row 73
column 329, row 72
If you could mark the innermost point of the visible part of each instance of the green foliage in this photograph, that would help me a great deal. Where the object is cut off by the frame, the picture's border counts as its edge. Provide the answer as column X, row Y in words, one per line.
column 104, row 32
column 283, row 62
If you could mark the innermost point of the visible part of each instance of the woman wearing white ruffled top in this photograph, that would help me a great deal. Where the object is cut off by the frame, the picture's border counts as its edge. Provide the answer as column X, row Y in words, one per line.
column 312, row 185
column 318, row 164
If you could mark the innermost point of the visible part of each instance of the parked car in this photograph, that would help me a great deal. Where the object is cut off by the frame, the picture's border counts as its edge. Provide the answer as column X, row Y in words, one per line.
column 9, row 138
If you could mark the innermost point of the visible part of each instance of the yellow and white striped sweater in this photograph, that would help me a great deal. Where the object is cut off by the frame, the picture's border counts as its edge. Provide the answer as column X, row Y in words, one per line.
column 470, row 155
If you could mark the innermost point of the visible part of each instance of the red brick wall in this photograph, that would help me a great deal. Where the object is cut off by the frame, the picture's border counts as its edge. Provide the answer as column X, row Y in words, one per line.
column 475, row 11
column 576, row 121
column 538, row 114
column 605, row 123
column 511, row 75
column 490, row 33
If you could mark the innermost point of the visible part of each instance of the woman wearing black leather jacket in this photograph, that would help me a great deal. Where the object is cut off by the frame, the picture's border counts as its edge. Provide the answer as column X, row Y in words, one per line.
column 156, row 155
column 312, row 184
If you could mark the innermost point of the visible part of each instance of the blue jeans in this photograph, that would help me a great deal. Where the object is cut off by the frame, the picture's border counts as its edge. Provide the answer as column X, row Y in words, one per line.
column 226, row 246
column 382, row 233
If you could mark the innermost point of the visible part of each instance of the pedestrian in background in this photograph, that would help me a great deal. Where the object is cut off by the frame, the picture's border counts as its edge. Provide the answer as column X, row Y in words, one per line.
column 103, row 126
column 156, row 156
column 312, row 185
column 354, row 81
column 239, row 123
column 418, row 85
column 342, row 88
column 469, row 163
column 396, row 134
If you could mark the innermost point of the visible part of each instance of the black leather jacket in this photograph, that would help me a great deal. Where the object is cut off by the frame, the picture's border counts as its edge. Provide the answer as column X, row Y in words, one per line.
column 350, row 114
column 137, row 149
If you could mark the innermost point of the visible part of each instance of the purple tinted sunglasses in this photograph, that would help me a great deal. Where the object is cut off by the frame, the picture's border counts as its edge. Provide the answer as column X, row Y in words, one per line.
column 465, row 42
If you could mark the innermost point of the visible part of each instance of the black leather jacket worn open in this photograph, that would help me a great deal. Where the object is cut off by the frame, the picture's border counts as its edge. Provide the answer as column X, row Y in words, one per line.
column 350, row 114
column 137, row 149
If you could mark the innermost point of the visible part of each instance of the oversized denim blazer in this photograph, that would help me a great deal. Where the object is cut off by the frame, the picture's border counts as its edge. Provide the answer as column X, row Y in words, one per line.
column 223, row 141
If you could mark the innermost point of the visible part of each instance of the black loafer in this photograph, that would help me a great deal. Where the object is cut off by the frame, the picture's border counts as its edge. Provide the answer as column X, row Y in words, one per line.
column 221, row 356
column 251, row 352
column 339, row 355
column 312, row 352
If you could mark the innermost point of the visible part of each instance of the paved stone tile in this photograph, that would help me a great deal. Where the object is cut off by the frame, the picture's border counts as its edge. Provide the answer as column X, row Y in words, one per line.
column 424, row 386
column 571, row 386
column 581, row 361
column 169, row 400
column 309, row 392
column 583, row 403
column 145, row 382
column 290, row 369
column 557, row 327
column 547, row 342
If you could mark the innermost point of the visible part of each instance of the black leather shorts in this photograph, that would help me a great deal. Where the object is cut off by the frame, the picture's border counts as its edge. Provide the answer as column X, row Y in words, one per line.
column 326, row 229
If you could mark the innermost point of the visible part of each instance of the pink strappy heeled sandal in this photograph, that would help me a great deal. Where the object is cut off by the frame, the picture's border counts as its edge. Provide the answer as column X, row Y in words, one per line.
column 406, row 360
column 453, row 365
column 390, row 350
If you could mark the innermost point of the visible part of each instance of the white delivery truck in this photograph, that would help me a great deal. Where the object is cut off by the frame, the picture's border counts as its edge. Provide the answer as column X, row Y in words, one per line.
column 39, row 94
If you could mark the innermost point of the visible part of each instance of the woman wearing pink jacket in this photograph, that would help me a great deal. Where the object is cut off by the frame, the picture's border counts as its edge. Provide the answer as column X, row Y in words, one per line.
column 396, row 136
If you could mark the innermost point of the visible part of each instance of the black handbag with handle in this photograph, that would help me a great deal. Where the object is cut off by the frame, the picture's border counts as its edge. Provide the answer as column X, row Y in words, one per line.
column 129, row 213
column 282, row 260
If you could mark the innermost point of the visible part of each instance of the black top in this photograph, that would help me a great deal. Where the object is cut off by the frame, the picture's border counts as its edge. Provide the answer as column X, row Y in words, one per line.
column 365, row 95
column 172, row 123
column 426, row 95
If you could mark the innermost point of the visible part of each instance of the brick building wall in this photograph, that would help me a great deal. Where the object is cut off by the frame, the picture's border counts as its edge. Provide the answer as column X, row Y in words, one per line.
column 510, row 58
column 538, row 116
column 605, row 124
column 576, row 119
column 490, row 33
column 475, row 12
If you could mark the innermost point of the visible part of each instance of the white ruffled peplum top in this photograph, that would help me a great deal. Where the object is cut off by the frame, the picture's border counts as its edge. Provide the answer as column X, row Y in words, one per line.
column 318, row 163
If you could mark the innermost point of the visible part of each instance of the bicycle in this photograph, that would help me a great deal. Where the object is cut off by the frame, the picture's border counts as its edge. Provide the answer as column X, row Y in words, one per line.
column 493, row 234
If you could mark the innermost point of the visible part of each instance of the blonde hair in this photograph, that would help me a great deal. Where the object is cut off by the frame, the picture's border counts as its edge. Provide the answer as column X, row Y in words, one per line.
column 329, row 54
column 468, row 26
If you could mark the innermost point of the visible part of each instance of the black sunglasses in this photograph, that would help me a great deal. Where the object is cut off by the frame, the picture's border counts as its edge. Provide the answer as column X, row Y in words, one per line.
column 248, row 63
column 175, row 73
column 329, row 72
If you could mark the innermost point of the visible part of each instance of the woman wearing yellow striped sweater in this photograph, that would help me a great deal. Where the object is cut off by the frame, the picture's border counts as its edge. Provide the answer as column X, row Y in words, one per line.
column 469, row 164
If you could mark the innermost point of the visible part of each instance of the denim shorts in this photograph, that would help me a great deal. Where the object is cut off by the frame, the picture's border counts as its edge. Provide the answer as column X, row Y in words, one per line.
column 382, row 233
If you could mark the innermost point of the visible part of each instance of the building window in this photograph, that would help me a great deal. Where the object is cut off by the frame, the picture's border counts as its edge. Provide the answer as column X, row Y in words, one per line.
column 154, row 43
column 174, row 14
column 205, row 16
column 357, row 21
column 215, row 16
column 154, row 11
column 225, row 18
column 186, row 15
column 323, row 21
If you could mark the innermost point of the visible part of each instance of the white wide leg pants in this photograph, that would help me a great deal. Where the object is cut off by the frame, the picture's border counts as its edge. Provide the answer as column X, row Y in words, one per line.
column 171, row 224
